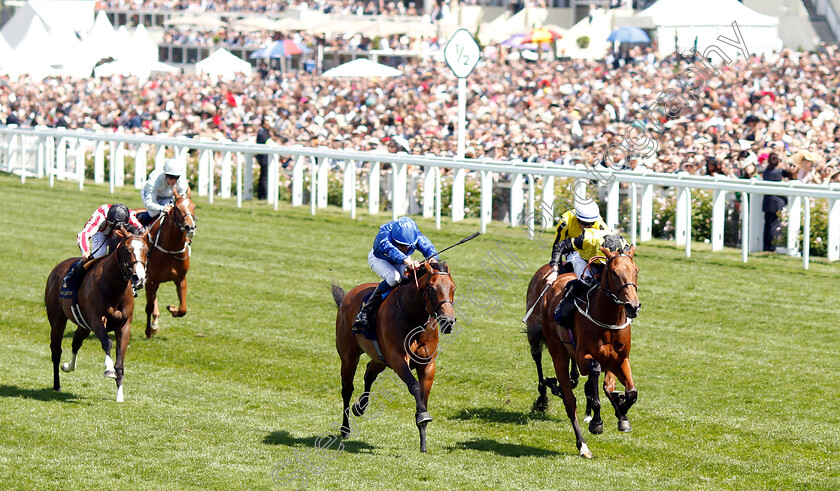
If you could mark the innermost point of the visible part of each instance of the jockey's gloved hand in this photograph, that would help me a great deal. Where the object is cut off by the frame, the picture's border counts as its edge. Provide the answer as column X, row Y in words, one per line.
column 552, row 277
column 412, row 264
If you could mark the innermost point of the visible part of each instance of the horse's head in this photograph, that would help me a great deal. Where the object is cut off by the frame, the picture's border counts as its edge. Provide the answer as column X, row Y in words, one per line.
column 183, row 213
column 620, row 278
column 438, row 292
column 132, row 254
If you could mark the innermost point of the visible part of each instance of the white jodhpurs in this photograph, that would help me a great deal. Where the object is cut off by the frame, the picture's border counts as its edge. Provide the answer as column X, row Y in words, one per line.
column 385, row 270
column 579, row 264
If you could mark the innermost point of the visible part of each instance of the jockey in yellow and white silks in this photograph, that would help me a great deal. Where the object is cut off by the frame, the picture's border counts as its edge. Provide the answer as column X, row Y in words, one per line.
column 572, row 224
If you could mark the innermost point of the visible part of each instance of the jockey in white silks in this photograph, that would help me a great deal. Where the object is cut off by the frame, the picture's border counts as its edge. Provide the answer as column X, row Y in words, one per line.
column 160, row 188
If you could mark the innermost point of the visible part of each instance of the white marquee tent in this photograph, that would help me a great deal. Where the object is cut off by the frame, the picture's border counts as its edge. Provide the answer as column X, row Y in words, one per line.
column 72, row 15
column 689, row 24
column 223, row 63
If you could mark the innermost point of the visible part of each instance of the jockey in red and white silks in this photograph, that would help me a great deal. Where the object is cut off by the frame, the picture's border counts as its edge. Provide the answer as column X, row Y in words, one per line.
column 99, row 229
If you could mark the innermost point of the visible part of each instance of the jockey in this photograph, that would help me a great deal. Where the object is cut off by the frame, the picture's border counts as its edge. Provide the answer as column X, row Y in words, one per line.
column 158, row 191
column 572, row 224
column 97, row 237
column 587, row 246
column 391, row 254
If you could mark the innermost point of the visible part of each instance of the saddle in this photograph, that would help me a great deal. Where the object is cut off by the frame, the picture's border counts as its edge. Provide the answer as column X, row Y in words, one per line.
column 574, row 292
column 370, row 329
column 70, row 288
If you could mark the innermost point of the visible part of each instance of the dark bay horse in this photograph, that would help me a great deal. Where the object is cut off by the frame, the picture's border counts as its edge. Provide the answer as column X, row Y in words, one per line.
column 169, row 258
column 406, row 329
column 106, row 303
column 599, row 341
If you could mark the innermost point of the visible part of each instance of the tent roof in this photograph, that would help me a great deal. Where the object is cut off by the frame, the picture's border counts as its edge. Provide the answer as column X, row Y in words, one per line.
column 364, row 68
column 707, row 13
column 223, row 62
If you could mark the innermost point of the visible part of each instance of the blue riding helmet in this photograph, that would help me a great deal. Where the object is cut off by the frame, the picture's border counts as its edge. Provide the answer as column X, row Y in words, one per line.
column 404, row 232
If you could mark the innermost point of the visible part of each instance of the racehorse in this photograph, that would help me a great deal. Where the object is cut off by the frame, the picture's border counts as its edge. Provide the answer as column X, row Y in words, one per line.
column 105, row 303
column 599, row 341
column 169, row 260
column 406, row 330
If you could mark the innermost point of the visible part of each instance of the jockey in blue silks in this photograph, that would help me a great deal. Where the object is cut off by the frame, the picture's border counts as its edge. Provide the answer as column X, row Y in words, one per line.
column 390, row 256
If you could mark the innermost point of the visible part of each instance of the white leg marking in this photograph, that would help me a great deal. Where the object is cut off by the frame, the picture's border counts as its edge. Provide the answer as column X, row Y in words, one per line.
column 109, row 367
column 584, row 451
column 69, row 367
column 587, row 419
column 120, row 397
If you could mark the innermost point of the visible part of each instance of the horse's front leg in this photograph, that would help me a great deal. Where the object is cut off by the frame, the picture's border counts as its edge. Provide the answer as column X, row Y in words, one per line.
column 427, row 378
column 593, row 400
column 152, row 312
column 181, row 288
column 421, row 416
column 371, row 372
column 621, row 402
column 561, row 359
column 122, row 335
column 102, row 335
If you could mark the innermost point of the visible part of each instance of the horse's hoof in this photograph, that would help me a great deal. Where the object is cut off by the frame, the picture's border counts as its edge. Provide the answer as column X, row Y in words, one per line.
column 541, row 404
column 57, row 388
column 574, row 382
column 150, row 332
column 110, row 374
column 624, row 425
column 596, row 427
column 345, row 434
column 357, row 410
column 584, row 452
column 66, row 367
column 422, row 418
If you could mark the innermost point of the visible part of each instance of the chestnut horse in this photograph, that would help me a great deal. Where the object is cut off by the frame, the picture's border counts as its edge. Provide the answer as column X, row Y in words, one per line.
column 169, row 260
column 406, row 330
column 106, row 303
column 599, row 341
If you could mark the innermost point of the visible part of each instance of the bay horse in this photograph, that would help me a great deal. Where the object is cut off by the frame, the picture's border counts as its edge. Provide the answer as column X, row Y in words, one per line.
column 106, row 303
column 170, row 236
column 599, row 341
column 406, row 330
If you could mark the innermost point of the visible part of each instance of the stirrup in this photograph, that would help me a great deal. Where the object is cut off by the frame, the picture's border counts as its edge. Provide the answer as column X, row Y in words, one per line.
column 359, row 324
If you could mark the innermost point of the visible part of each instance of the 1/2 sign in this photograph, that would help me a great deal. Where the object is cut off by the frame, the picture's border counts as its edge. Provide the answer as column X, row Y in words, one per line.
column 461, row 53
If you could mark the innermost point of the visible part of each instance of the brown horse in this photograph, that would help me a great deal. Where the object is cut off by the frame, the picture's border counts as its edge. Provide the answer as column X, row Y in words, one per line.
column 406, row 330
column 169, row 260
column 106, row 303
column 599, row 341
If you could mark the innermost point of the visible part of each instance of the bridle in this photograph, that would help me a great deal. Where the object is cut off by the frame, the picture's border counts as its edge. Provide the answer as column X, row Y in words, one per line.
column 426, row 293
column 608, row 290
column 181, row 227
column 125, row 266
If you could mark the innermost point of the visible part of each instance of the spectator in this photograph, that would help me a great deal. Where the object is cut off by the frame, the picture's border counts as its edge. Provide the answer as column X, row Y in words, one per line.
column 772, row 205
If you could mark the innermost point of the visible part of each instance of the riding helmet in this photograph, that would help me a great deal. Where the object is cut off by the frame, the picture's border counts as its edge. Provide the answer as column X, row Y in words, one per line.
column 587, row 212
column 117, row 215
column 404, row 232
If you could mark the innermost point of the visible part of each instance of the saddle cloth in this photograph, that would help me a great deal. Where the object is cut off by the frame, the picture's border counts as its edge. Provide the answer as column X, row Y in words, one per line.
column 370, row 329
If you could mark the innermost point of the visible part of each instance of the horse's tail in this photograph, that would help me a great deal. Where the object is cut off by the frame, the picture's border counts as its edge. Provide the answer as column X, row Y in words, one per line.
column 337, row 293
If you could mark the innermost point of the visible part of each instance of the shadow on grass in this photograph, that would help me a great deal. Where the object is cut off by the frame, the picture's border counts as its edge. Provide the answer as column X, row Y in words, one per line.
column 503, row 449
column 495, row 415
column 37, row 394
column 281, row 437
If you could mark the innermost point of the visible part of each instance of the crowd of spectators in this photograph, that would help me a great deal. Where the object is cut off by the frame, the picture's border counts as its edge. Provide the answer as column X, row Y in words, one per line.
column 564, row 112
column 272, row 7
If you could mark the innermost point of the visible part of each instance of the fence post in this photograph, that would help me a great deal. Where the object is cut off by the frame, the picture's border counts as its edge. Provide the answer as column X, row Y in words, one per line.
column 634, row 212
column 718, row 219
column 547, row 202
column 204, row 171
column 756, row 223
column 428, row 191
column 794, row 224
column 349, row 185
column 297, row 181
column 646, row 232
column 517, row 197
column 486, row 198
column 240, row 163
column 211, row 178
column 99, row 162
column 373, row 188
column 833, row 252
column 80, row 163
column 806, row 233
column 745, row 226
column 688, row 224
column 313, row 183
column 458, row 177
column 140, row 166
column 227, row 174
column 680, row 227
column 323, row 188
column 160, row 156
column 438, row 198
column 613, row 200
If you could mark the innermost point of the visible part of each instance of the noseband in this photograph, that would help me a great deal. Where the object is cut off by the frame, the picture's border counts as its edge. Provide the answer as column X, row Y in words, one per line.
column 125, row 267
column 608, row 290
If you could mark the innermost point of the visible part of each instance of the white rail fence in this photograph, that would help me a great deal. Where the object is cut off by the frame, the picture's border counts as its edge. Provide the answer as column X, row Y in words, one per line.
column 63, row 154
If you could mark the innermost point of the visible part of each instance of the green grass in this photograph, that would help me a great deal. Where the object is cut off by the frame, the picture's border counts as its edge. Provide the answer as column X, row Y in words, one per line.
column 736, row 366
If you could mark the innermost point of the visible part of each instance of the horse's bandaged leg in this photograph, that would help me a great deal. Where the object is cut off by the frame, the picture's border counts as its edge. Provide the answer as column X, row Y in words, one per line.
column 69, row 367
column 120, row 397
column 109, row 367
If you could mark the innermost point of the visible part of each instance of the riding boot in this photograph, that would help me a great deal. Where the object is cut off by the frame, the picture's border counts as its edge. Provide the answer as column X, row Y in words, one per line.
column 75, row 272
column 370, row 306
column 567, row 305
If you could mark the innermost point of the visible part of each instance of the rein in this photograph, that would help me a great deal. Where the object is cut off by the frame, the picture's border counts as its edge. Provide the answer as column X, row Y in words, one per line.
column 426, row 292
column 160, row 220
column 610, row 294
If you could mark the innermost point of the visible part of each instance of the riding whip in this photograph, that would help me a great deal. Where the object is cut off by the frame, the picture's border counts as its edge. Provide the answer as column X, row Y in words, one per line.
column 471, row 237
column 536, row 302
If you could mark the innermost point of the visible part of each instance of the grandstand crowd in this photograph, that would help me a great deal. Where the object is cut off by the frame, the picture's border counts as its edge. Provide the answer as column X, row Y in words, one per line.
column 346, row 7
column 565, row 112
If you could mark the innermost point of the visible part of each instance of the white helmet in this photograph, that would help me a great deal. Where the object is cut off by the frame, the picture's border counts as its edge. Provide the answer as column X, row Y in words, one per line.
column 173, row 168
column 587, row 212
